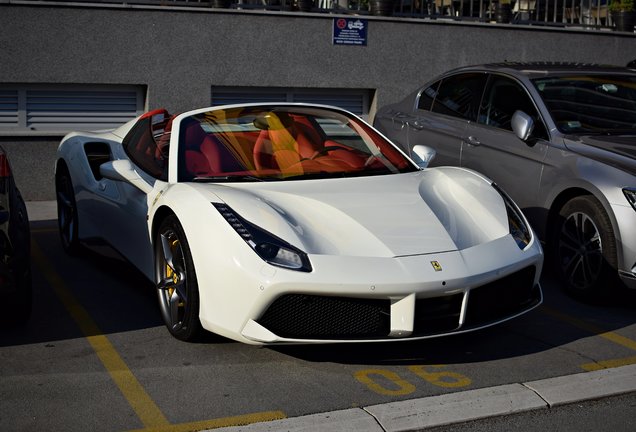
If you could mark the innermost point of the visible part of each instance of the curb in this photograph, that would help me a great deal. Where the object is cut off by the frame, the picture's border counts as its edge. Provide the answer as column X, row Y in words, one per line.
column 417, row 414
column 41, row 210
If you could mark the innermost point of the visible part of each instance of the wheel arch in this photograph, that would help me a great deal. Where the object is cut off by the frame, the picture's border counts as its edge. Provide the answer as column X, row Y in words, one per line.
column 573, row 192
column 60, row 164
column 159, row 216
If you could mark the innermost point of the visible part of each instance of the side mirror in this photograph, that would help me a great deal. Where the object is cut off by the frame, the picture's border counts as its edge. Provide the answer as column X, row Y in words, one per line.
column 423, row 155
column 122, row 170
column 522, row 125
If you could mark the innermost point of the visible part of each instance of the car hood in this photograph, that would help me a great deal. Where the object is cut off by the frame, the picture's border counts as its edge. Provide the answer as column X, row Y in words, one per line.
column 435, row 210
column 615, row 150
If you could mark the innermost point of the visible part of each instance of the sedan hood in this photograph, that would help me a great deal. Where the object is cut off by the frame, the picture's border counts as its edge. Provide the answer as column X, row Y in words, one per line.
column 436, row 210
column 615, row 150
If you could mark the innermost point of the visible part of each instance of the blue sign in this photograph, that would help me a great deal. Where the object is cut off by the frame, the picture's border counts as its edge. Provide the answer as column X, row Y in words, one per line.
column 349, row 31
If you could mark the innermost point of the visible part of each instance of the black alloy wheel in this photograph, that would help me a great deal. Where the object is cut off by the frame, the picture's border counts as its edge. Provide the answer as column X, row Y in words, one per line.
column 586, row 255
column 67, row 219
column 177, row 287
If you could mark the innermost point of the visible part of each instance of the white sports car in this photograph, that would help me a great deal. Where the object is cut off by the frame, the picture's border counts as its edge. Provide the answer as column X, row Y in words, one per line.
column 296, row 223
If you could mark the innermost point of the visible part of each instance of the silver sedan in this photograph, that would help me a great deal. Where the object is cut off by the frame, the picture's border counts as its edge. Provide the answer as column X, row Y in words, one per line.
column 559, row 138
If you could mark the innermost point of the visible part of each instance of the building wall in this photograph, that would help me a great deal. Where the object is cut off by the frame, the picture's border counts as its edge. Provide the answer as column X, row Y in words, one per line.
column 180, row 54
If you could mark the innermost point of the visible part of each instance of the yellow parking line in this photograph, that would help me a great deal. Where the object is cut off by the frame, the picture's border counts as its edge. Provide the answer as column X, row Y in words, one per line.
column 218, row 423
column 608, row 364
column 611, row 336
column 147, row 411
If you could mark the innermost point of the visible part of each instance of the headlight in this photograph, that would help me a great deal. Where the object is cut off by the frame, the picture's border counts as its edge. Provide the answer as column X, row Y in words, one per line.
column 269, row 247
column 630, row 194
column 517, row 224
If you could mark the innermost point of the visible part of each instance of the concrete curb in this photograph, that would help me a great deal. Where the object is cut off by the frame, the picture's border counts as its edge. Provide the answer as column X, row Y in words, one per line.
column 41, row 210
column 417, row 414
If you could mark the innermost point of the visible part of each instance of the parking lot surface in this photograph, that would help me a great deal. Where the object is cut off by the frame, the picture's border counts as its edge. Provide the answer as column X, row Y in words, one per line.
column 95, row 356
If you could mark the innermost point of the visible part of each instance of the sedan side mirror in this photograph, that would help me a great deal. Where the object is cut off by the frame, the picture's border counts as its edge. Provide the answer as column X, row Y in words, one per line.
column 423, row 155
column 522, row 125
column 122, row 170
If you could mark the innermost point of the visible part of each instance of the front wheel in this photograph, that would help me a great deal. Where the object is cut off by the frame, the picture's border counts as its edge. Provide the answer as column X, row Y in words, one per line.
column 585, row 249
column 176, row 279
column 67, row 219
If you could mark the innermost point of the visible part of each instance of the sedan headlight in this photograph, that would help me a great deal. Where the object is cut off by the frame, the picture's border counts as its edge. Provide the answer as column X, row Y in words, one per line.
column 517, row 224
column 630, row 194
column 269, row 247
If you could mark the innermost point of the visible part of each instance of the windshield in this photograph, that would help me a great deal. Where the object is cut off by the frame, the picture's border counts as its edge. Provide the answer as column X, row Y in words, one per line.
column 282, row 143
column 603, row 104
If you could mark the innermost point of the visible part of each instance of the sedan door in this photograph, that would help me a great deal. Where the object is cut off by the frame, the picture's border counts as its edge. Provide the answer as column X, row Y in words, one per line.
column 491, row 146
column 443, row 113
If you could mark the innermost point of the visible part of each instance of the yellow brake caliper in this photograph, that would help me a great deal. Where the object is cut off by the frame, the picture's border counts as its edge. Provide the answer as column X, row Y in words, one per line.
column 170, row 273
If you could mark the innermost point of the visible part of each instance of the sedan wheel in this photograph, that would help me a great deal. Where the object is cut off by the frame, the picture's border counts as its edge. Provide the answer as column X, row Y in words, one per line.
column 66, row 211
column 586, row 249
column 177, row 287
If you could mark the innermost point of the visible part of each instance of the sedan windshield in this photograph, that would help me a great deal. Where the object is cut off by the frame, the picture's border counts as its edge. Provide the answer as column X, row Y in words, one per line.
column 603, row 104
column 261, row 143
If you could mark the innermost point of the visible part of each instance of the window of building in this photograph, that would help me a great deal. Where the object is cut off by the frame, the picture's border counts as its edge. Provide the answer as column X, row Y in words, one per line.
column 58, row 109
column 357, row 101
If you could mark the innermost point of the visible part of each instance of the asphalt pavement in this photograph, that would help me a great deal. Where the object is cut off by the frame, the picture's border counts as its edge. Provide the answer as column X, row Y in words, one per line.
column 447, row 409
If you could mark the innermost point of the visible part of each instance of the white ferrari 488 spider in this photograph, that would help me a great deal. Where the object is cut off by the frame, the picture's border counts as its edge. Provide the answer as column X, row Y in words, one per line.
column 296, row 223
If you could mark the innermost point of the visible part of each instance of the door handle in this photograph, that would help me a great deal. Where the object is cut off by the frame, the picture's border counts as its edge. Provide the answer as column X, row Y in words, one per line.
column 472, row 141
column 416, row 125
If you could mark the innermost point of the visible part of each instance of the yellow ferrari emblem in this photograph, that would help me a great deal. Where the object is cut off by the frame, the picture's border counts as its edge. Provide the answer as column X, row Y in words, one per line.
column 436, row 265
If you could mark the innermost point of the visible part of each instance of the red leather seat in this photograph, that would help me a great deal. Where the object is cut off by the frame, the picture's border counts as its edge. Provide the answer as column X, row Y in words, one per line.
column 220, row 159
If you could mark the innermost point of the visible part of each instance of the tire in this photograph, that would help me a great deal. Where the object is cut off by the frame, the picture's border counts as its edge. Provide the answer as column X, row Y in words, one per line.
column 177, row 287
column 585, row 255
column 67, row 217
column 18, row 302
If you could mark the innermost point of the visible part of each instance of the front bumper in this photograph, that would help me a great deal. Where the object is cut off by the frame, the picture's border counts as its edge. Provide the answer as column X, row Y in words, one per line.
column 362, row 299
column 307, row 318
column 626, row 219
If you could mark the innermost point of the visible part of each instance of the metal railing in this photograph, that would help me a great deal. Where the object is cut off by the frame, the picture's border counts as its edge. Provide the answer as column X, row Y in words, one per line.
column 580, row 13
column 587, row 14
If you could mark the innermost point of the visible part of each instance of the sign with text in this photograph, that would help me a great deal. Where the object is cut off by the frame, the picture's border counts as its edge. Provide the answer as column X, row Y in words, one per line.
column 350, row 31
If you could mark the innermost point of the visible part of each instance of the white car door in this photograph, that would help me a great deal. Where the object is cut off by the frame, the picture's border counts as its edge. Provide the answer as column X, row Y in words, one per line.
column 124, row 206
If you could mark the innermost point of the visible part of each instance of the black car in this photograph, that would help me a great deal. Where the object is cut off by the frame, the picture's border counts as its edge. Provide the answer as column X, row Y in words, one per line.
column 15, row 250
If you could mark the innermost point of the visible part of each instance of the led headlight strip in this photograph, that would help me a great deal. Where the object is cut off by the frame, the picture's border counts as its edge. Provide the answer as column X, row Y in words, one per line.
column 519, row 229
column 630, row 194
column 270, row 248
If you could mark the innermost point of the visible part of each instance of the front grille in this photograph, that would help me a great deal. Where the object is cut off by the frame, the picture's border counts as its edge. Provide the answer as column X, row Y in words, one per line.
column 437, row 314
column 302, row 316
column 502, row 298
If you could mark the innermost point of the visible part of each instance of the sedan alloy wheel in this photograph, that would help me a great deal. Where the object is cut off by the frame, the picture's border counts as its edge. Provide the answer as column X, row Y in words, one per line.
column 586, row 248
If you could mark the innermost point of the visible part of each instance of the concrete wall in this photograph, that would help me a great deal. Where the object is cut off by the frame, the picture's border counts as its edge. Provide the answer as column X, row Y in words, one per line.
column 181, row 54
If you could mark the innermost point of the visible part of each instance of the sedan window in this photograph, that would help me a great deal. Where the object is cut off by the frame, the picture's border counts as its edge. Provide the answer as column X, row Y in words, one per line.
column 590, row 103
column 459, row 95
column 503, row 97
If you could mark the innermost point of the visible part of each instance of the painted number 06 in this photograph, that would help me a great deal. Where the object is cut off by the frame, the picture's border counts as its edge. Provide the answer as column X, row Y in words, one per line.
column 386, row 382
